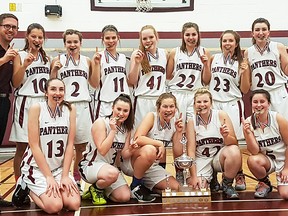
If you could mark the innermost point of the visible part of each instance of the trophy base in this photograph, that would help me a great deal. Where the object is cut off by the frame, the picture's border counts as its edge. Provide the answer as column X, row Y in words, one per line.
column 186, row 195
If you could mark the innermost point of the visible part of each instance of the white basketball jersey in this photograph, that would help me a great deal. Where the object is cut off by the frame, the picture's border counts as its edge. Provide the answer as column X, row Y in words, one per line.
column 265, row 68
column 225, row 79
column 53, row 138
column 164, row 133
column 187, row 70
column 75, row 76
column 90, row 155
column 269, row 139
column 153, row 83
column 35, row 77
column 209, row 140
column 113, row 76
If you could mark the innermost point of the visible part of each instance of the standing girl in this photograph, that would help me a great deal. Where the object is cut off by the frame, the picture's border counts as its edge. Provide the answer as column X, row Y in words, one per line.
column 269, row 66
column 31, row 71
column 188, row 68
column 111, row 70
column 76, row 71
column 147, row 73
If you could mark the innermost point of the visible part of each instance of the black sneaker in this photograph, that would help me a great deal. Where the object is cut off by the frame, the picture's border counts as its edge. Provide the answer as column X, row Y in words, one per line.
column 4, row 203
column 20, row 196
column 142, row 194
column 229, row 191
column 214, row 183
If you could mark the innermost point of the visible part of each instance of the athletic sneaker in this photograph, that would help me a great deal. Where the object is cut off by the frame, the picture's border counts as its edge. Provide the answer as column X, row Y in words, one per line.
column 262, row 190
column 97, row 195
column 214, row 184
column 86, row 195
column 20, row 196
column 142, row 194
column 240, row 184
column 229, row 191
column 4, row 203
column 79, row 188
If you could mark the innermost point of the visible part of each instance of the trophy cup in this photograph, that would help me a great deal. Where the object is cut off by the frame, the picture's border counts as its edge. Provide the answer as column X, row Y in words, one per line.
column 185, row 194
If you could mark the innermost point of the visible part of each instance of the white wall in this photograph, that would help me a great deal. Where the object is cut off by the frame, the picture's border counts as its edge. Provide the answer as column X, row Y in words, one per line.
column 211, row 15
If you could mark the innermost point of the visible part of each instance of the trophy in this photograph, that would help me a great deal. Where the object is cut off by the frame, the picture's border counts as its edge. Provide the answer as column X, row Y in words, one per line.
column 185, row 194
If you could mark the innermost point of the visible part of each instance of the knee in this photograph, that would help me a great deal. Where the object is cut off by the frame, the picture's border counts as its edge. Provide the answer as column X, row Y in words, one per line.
column 112, row 175
column 233, row 151
column 73, row 204
column 148, row 153
column 52, row 207
column 252, row 160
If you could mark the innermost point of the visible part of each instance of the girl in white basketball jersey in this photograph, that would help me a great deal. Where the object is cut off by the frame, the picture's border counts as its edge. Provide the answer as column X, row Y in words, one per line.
column 76, row 71
column 216, row 145
column 230, row 77
column 188, row 68
column 47, row 160
column 147, row 73
column 155, row 132
column 269, row 66
column 111, row 69
column 31, row 71
column 266, row 135
column 111, row 143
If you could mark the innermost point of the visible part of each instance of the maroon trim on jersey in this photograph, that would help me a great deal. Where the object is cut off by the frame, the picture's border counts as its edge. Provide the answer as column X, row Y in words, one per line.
column 21, row 114
column 30, row 175
column 91, row 113
column 135, row 102
column 162, row 35
column 240, row 111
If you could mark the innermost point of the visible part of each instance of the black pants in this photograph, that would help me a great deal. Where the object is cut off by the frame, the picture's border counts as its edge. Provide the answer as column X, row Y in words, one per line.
column 4, row 111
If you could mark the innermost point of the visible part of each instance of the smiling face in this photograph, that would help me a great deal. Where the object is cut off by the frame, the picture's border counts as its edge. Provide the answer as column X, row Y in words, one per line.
column 35, row 39
column 110, row 40
column 7, row 35
column 228, row 44
column 260, row 32
column 73, row 43
column 203, row 103
column 191, row 37
column 148, row 38
column 121, row 110
column 55, row 91
column 260, row 104
column 167, row 109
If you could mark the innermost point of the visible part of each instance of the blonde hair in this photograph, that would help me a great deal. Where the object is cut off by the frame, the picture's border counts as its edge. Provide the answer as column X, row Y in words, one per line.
column 146, row 67
column 202, row 91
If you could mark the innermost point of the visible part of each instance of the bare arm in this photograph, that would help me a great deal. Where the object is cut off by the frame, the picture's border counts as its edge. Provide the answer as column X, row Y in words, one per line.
column 227, row 129
column 283, row 58
column 252, row 144
column 206, row 73
column 170, row 64
column 245, row 76
column 55, row 67
column 95, row 71
column 135, row 67
column 102, row 140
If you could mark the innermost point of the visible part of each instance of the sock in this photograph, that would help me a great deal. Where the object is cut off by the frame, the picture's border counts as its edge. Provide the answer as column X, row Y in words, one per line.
column 265, row 180
column 227, row 181
column 163, row 165
column 136, row 182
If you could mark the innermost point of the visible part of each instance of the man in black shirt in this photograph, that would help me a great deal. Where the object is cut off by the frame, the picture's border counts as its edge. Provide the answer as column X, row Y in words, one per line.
column 8, row 30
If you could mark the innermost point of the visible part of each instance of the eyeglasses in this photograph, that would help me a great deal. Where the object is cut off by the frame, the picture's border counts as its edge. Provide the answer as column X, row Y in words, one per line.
column 8, row 27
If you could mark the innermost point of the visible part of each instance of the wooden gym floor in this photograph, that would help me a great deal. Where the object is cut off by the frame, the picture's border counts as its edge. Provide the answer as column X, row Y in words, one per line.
column 245, row 206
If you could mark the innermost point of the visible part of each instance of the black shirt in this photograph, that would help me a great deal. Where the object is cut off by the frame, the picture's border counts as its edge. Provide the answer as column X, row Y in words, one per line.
column 6, row 72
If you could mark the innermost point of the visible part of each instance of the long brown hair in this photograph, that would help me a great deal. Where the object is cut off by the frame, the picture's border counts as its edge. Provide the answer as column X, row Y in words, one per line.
column 41, row 50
